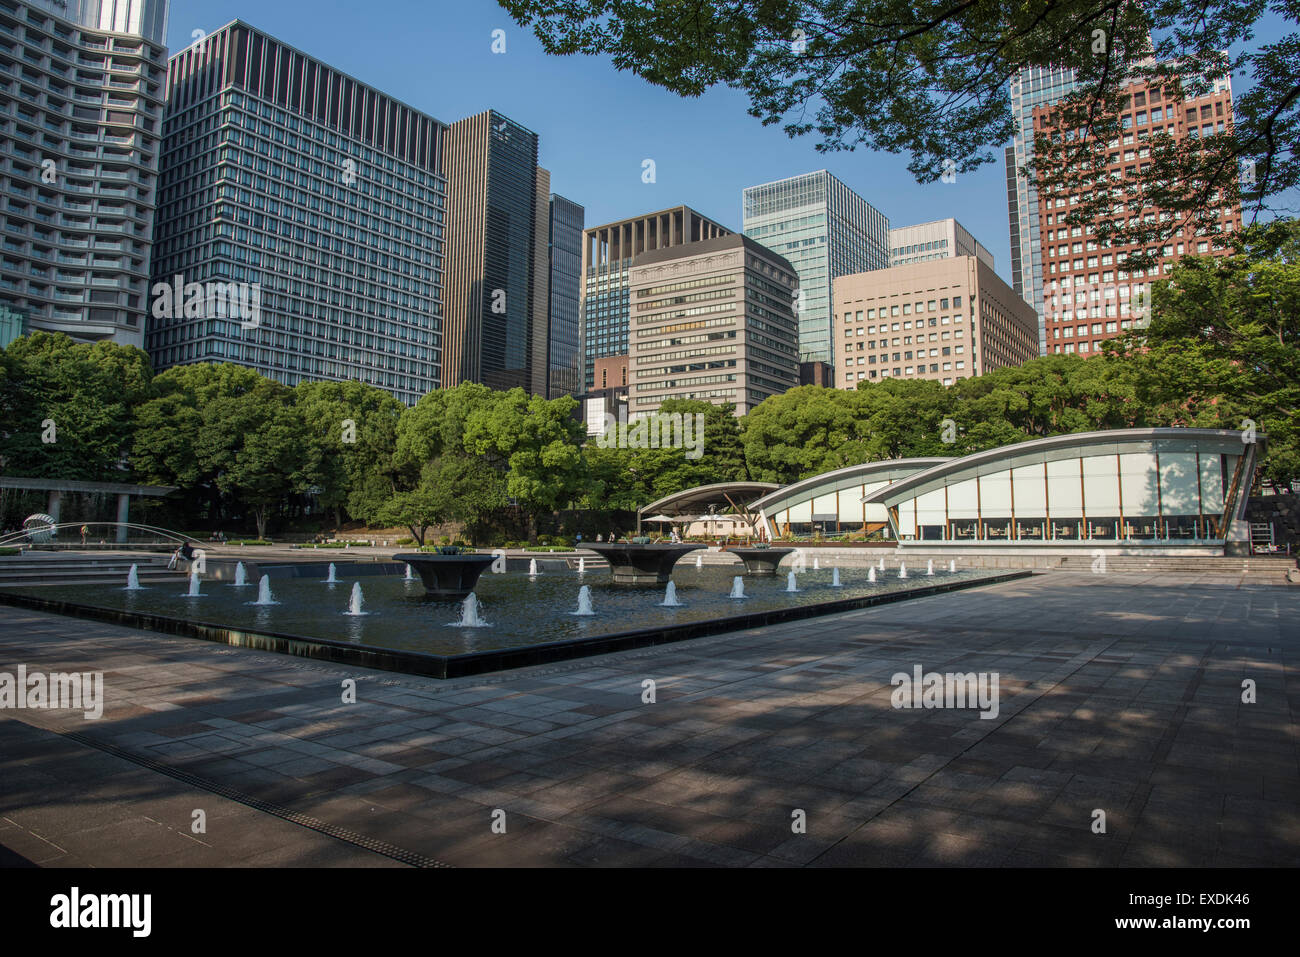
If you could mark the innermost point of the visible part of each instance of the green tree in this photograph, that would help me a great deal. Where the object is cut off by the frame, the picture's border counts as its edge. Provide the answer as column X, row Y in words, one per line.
column 627, row 478
column 79, row 395
column 1223, row 344
column 1052, row 395
column 170, row 430
column 351, row 437
column 901, row 418
column 265, row 468
column 452, row 488
column 930, row 78
column 806, row 431
column 538, row 442
column 225, row 435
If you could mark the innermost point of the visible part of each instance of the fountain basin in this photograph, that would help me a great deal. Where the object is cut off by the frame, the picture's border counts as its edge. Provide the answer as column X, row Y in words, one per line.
column 760, row 561
column 641, row 564
column 451, row 577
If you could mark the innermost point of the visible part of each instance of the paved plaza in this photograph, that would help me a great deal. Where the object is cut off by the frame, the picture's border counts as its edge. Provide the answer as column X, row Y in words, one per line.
column 1118, row 694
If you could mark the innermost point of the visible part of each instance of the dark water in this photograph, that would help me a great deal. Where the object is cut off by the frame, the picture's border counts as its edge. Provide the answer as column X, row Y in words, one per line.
column 521, row 611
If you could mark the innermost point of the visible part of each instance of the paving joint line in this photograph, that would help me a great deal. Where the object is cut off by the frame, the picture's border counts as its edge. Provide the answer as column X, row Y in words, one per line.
column 382, row 848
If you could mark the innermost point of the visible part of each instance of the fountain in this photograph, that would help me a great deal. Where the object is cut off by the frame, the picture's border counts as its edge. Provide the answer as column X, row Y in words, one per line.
column 882, row 563
column 817, row 565
column 584, row 601
column 760, row 561
column 410, row 575
column 333, row 578
column 241, row 575
column 194, row 585
column 469, row 614
column 791, row 583
column 699, row 561
column 641, row 564
column 133, row 580
column 835, row 577
column 532, row 568
column 582, row 566
column 952, row 566
column 738, row 587
column 450, row 572
column 902, row 570
column 264, row 592
column 929, row 567
column 670, row 597
column 871, row 574
column 356, row 602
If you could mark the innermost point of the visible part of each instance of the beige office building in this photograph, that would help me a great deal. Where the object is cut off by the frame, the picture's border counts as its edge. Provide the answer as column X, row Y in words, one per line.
column 946, row 319
column 711, row 320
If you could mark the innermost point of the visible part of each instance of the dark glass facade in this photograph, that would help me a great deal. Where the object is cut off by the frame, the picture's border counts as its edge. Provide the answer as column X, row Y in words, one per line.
column 564, row 363
column 281, row 173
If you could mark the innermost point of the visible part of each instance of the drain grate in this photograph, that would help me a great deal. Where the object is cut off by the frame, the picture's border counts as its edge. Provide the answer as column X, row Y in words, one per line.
column 383, row 848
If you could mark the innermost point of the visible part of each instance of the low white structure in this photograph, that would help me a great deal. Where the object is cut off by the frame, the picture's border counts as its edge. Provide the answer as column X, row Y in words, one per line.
column 833, row 502
column 1168, row 489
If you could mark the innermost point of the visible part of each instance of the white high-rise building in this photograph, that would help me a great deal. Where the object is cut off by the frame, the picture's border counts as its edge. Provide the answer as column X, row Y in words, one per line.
column 81, row 103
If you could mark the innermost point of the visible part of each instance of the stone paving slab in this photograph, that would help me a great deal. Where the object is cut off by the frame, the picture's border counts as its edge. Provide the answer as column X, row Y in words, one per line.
column 1118, row 693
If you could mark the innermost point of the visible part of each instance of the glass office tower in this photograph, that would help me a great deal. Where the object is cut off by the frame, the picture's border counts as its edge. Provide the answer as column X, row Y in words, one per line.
column 498, row 272
column 1035, row 86
column 825, row 230
column 323, row 194
column 564, row 372
column 81, row 107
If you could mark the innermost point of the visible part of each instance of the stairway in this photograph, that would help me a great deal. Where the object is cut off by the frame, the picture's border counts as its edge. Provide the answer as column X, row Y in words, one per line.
column 55, row 569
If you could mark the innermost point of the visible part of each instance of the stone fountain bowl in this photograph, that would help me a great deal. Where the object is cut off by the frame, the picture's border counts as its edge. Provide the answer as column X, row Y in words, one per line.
column 451, row 577
column 640, row 564
column 760, row 560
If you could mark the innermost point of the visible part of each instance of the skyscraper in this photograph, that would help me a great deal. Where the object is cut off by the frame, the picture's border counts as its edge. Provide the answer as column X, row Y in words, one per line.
column 825, row 230
column 81, row 105
column 498, row 272
column 323, row 195
column 1088, row 292
column 565, row 347
column 1030, row 88
column 607, row 254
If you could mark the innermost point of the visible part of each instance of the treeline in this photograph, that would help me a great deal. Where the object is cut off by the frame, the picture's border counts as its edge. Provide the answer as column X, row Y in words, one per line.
column 1223, row 347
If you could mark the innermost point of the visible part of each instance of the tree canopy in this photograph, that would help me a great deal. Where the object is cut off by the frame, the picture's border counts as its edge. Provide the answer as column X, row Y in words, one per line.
column 930, row 78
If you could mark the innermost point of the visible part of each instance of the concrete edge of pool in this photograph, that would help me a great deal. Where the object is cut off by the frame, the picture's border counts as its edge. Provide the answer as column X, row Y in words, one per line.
column 478, row 662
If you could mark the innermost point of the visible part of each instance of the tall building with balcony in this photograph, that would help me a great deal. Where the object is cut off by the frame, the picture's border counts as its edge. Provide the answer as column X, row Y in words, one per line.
column 324, row 195
column 81, row 109
column 711, row 320
column 498, row 262
column 607, row 254
column 564, row 364
column 945, row 319
column 1087, row 294
column 825, row 230
column 941, row 239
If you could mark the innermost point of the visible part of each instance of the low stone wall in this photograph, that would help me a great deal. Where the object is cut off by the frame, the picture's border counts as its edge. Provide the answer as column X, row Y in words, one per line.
column 1283, row 511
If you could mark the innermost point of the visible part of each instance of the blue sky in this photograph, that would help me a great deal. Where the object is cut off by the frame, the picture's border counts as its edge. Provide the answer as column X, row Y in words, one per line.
column 596, row 125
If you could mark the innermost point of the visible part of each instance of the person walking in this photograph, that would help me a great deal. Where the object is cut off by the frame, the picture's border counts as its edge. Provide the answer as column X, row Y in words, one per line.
column 85, row 530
